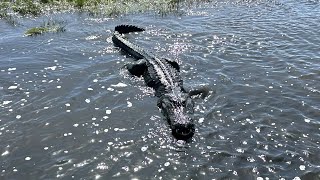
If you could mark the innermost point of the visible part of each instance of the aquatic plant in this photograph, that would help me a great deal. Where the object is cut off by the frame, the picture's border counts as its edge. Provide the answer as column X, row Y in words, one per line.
column 49, row 26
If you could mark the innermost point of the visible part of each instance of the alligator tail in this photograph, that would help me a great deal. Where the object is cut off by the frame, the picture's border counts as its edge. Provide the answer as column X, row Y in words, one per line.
column 126, row 45
column 124, row 29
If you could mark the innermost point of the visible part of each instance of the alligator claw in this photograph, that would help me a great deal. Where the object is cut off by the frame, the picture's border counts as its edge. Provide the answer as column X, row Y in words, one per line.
column 204, row 91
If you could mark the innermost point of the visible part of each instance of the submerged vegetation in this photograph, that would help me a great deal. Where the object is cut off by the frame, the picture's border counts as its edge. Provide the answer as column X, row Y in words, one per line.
column 49, row 26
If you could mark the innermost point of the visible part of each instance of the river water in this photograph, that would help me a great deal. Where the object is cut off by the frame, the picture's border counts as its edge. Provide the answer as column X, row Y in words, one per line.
column 69, row 111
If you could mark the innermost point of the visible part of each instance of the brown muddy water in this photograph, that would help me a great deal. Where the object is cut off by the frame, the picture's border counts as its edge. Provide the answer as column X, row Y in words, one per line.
column 68, row 110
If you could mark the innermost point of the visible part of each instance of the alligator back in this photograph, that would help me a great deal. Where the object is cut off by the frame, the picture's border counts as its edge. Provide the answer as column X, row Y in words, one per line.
column 162, row 74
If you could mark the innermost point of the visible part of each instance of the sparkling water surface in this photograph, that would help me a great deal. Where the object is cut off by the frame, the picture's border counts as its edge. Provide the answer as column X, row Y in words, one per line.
column 69, row 111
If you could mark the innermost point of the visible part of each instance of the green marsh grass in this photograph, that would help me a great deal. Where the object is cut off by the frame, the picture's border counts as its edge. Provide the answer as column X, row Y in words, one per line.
column 10, row 10
column 94, row 7
column 6, row 15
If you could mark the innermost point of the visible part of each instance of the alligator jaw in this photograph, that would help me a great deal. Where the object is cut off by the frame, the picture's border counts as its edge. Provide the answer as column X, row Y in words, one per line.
column 178, row 111
column 183, row 131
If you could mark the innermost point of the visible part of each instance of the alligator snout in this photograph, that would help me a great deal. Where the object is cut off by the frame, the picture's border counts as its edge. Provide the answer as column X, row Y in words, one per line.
column 183, row 131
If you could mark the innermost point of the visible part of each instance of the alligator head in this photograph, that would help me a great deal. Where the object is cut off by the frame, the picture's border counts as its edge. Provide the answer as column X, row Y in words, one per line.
column 178, row 111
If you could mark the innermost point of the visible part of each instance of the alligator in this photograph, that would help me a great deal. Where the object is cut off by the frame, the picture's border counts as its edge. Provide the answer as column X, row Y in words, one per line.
column 163, row 75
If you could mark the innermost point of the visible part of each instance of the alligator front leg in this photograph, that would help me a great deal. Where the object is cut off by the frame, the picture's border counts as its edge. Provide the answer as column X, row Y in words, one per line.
column 137, row 68
column 204, row 91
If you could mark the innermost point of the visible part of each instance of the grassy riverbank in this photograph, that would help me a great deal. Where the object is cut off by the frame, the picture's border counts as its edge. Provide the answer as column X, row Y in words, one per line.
column 94, row 7
column 11, row 10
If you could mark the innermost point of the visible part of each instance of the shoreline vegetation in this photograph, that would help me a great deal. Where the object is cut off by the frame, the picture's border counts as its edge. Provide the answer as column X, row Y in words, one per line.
column 11, row 10
column 93, row 7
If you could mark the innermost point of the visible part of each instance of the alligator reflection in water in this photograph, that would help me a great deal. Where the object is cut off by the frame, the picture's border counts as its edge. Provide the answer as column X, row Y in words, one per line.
column 163, row 75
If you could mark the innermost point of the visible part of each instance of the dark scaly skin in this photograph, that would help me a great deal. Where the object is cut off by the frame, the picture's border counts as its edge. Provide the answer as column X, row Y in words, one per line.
column 163, row 76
